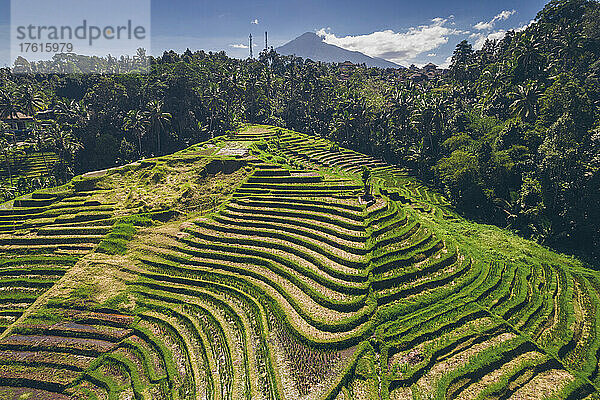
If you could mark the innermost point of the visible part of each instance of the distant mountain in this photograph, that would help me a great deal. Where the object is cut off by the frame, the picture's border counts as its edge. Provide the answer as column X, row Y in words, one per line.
column 310, row 45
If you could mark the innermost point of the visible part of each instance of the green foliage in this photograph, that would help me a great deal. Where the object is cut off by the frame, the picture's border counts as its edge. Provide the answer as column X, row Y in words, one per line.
column 460, row 173
column 122, row 232
column 44, row 316
column 141, row 220
column 365, row 367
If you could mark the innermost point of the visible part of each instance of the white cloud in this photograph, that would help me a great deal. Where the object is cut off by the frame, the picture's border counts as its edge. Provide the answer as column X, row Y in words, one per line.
column 239, row 46
column 480, row 38
column 499, row 34
column 431, row 55
column 483, row 25
column 503, row 16
column 525, row 26
column 254, row 22
column 399, row 47
column 446, row 63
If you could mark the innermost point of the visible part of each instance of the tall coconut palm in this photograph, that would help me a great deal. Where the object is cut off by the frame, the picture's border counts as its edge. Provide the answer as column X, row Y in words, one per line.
column 137, row 122
column 65, row 145
column 399, row 105
column 158, row 119
column 9, row 107
column 30, row 101
column 430, row 117
column 64, row 109
column 5, row 148
column 71, row 111
column 439, row 107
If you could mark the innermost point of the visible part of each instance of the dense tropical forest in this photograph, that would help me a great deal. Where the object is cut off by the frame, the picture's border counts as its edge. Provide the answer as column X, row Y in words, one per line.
column 510, row 134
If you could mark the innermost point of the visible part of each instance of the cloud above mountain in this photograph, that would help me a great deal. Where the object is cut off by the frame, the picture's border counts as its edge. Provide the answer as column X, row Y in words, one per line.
column 399, row 47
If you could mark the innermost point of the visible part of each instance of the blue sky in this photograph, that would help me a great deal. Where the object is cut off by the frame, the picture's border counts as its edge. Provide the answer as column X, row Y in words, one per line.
column 402, row 31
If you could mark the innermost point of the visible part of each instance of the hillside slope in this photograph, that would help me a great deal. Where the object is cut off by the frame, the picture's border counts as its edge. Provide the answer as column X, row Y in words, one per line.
column 251, row 267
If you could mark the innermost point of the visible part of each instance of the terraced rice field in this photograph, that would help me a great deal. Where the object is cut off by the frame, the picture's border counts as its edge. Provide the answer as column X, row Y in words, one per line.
column 30, row 166
column 281, row 281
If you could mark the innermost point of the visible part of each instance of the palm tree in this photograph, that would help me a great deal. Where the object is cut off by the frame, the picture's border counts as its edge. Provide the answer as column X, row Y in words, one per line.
column 157, row 120
column 529, row 57
column 569, row 48
column 439, row 106
column 137, row 121
column 65, row 145
column 30, row 101
column 71, row 112
column 5, row 146
column 9, row 107
column 400, row 110
column 526, row 100
column 140, row 60
column 64, row 109
column 430, row 118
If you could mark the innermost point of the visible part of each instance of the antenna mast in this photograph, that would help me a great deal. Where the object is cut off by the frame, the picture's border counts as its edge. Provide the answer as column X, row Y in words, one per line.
column 266, row 41
column 251, row 55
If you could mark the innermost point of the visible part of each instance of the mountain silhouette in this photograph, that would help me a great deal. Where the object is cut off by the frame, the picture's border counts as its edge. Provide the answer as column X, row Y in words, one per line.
column 312, row 46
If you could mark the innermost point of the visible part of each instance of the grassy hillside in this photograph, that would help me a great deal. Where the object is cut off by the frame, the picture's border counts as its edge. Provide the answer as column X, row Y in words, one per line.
column 252, row 267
